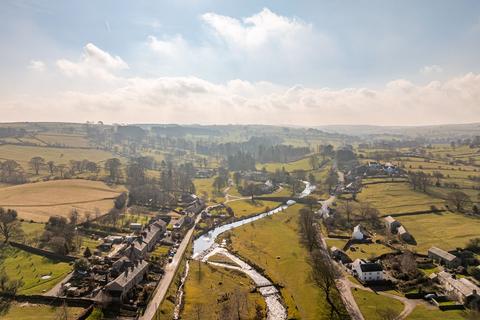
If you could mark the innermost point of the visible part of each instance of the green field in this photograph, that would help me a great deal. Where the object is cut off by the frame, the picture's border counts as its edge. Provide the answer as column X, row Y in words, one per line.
column 445, row 230
column 69, row 140
column 218, row 282
column 28, row 311
column 371, row 304
column 424, row 312
column 273, row 244
column 302, row 164
column 391, row 198
column 20, row 265
column 243, row 208
column 206, row 186
column 23, row 154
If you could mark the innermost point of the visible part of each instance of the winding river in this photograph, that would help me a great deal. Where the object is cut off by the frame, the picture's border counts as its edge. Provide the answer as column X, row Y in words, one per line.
column 205, row 246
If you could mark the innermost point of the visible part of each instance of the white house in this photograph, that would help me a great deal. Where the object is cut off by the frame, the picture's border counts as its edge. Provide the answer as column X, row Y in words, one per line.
column 358, row 233
column 367, row 271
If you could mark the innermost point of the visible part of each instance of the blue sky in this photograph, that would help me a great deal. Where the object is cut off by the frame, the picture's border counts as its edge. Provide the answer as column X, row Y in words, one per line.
column 305, row 62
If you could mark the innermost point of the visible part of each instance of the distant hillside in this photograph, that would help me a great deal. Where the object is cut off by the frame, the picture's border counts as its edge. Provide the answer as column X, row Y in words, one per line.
column 433, row 131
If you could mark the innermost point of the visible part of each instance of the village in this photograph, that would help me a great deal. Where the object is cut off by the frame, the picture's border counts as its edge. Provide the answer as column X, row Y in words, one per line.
column 447, row 286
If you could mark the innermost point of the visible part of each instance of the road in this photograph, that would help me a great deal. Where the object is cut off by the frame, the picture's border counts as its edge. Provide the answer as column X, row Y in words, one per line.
column 168, row 277
column 55, row 291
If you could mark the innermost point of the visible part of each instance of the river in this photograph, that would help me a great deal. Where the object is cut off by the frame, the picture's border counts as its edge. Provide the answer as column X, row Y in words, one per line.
column 205, row 246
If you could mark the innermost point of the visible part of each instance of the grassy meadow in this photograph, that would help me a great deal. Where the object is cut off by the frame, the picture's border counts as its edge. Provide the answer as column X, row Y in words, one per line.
column 302, row 164
column 371, row 304
column 38, row 201
column 219, row 283
column 273, row 244
column 446, row 230
column 243, row 208
column 30, row 268
column 28, row 311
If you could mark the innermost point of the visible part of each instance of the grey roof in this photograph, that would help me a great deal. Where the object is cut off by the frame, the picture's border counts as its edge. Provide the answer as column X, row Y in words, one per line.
column 464, row 286
column 401, row 230
column 125, row 278
column 370, row 267
column 442, row 253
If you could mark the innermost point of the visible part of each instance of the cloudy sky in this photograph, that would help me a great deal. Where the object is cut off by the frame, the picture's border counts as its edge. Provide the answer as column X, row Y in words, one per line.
column 272, row 62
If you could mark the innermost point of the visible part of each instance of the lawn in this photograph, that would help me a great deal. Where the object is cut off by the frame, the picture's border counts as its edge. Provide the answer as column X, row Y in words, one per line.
column 219, row 283
column 371, row 304
column 422, row 312
column 28, row 311
column 391, row 198
column 21, row 265
column 38, row 201
column 273, row 244
column 367, row 250
column 445, row 230
column 243, row 208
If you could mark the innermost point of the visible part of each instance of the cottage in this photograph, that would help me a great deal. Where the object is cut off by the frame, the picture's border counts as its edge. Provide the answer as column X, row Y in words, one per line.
column 359, row 233
column 367, row 271
column 391, row 224
column 118, row 288
column 463, row 289
column 405, row 236
column 340, row 255
column 443, row 257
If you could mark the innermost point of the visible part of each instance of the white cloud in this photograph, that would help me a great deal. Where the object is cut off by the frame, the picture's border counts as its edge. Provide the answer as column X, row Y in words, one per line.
column 432, row 69
column 262, row 44
column 37, row 65
column 259, row 30
column 94, row 63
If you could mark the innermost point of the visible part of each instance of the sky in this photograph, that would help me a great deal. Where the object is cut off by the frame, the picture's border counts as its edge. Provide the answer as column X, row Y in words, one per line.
column 306, row 63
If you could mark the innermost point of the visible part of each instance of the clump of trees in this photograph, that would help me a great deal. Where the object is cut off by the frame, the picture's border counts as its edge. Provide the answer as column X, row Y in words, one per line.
column 458, row 199
column 12, row 172
column 59, row 234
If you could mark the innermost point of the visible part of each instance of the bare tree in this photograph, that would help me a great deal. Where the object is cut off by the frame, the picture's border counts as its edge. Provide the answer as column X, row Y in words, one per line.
column 459, row 199
column 324, row 274
column 36, row 164
column 51, row 167
column 308, row 228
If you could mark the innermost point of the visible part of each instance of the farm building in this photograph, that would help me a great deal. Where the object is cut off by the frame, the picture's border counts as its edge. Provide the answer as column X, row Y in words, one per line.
column 340, row 255
column 466, row 292
column 391, row 224
column 404, row 235
column 443, row 257
column 359, row 233
column 118, row 288
column 367, row 271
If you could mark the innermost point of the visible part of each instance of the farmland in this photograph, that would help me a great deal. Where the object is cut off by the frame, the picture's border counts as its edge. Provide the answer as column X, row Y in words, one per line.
column 38, row 201
column 219, row 283
column 37, row 273
column 22, row 154
column 273, row 244
column 391, row 198
column 302, row 164
column 243, row 208
column 28, row 311
column 371, row 304
column 456, row 229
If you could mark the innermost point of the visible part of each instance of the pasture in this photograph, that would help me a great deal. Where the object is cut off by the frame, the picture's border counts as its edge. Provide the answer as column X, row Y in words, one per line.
column 28, row 311
column 218, row 282
column 23, row 154
column 274, row 245
column 37, row 273
column 243, row 208
column 38, row 201
column 391, row 198
column 445, row 230
column 68, row 140
column 302, row 164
